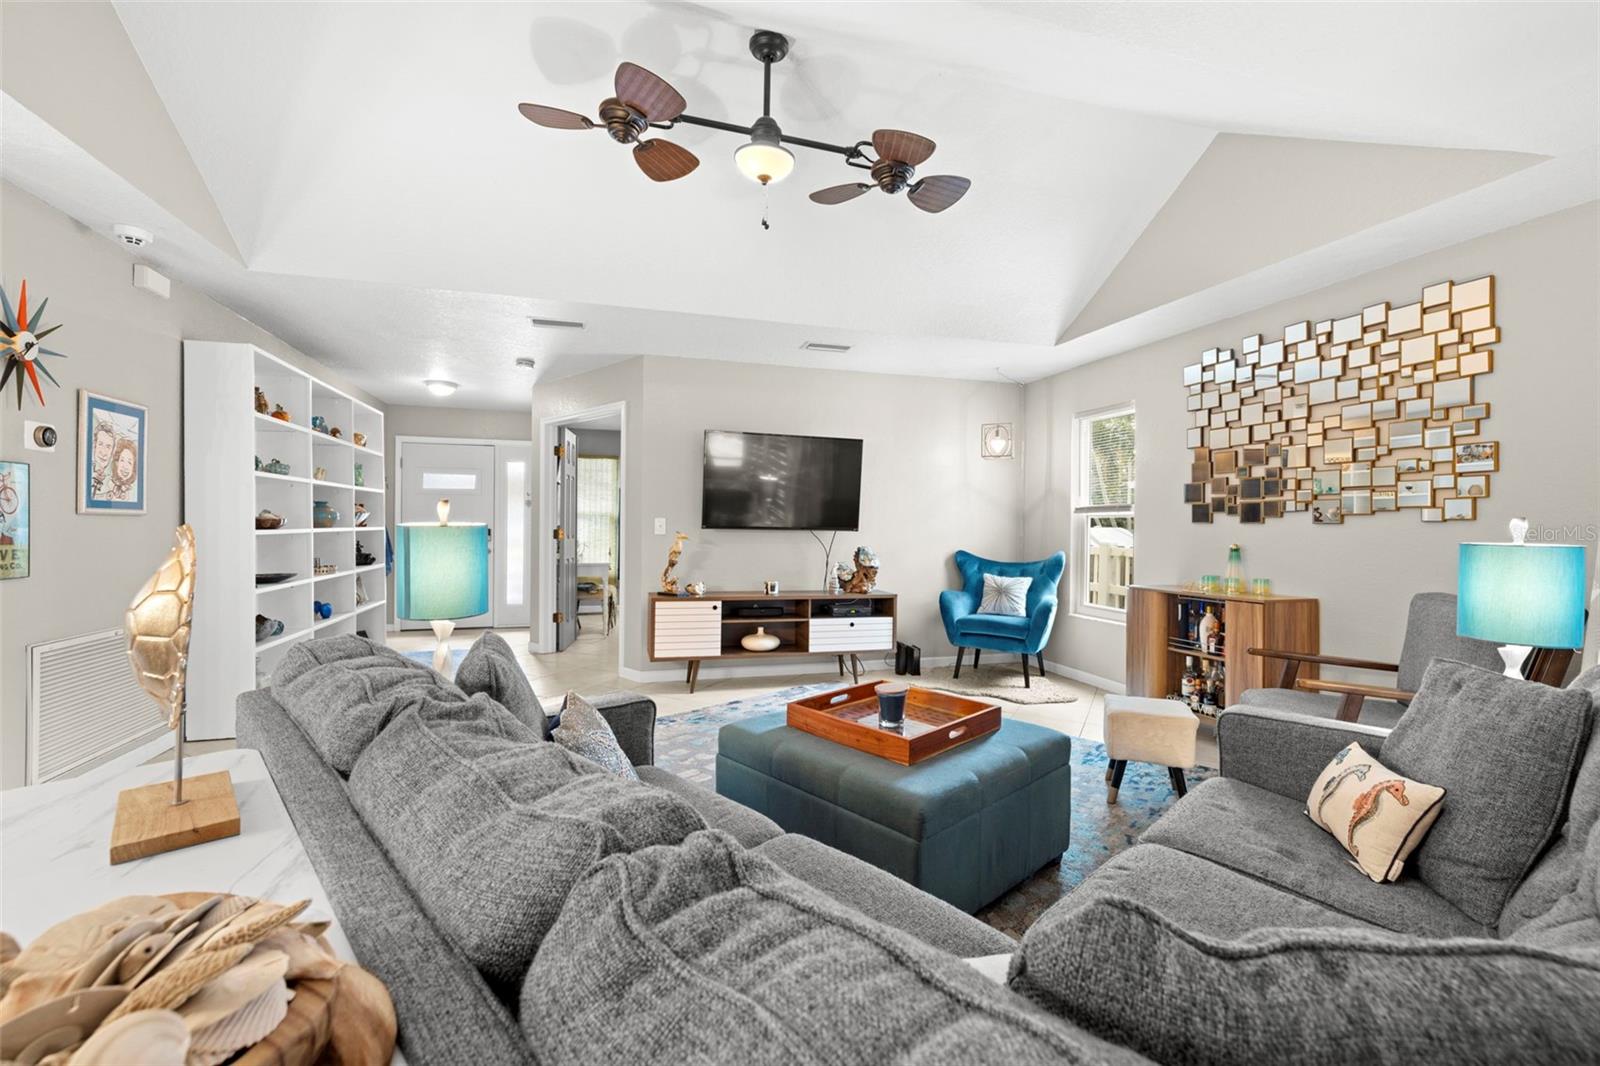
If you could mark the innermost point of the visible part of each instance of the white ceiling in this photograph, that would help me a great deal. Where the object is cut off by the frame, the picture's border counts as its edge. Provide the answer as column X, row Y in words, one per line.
column 398, row 219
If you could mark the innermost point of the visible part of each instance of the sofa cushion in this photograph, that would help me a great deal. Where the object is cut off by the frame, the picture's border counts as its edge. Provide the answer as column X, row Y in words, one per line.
column 491, row 828
column 748, row 827
column 491, row 667
column 707, row 953
column 1317, row 996
column 994, row 625
column 1506, row 751
column 342, row 696
column 1185, row 889
column 1381, row 713
column 884, row 897
column 583, row 731
column 1557, row 873
column 1269, row 837
column 1356, row 795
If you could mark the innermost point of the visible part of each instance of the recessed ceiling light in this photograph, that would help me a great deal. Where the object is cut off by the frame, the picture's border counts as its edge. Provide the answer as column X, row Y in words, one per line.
column 554, row 323
column 526, row 363
column 440, row 387
column 819, row 346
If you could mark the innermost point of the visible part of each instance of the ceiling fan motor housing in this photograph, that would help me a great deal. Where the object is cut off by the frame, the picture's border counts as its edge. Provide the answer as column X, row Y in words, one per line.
column 622, row 122
column 892, row 176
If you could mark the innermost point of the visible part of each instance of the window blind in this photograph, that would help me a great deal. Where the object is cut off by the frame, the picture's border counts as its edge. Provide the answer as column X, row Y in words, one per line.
column 1108, row 460
column 599, row 507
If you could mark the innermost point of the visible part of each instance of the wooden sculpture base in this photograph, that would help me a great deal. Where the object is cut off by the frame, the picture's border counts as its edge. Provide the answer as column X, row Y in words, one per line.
column 148, row 823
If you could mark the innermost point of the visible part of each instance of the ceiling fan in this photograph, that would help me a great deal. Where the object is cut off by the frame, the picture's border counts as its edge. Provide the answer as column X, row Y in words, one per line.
column 644, row 102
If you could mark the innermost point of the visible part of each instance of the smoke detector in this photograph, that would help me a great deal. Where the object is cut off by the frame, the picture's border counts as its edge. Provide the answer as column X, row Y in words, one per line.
column 132, row 236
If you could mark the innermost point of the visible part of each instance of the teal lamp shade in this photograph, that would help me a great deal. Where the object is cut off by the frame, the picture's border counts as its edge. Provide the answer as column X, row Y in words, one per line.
column 1528, row 594
column 441, row 571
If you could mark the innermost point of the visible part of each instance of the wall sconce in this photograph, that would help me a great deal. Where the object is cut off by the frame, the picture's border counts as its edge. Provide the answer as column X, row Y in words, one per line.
column 996, row 441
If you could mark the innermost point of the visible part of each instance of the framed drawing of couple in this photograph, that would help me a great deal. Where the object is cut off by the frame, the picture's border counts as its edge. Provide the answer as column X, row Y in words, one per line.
column 111, row 455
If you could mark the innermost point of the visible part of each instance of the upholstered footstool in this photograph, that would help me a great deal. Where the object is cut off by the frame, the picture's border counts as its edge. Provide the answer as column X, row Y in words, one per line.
column 966, row 825
column 1141, row 729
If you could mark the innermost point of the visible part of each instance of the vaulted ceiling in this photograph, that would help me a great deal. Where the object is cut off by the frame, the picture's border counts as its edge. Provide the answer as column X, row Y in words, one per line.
column 1137, row 169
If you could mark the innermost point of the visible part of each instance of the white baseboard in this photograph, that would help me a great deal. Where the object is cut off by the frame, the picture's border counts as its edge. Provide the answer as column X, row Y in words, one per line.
column 1105, row 684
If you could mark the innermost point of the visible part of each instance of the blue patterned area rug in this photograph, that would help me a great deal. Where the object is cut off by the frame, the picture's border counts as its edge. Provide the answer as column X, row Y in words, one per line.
column 426, row 657
column 686, row 744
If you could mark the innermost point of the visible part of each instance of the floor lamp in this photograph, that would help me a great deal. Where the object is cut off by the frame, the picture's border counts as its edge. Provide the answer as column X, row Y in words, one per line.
column 441, row 575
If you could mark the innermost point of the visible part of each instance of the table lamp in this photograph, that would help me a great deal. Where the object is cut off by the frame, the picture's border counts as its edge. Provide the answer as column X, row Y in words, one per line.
column 441, row 574
column 1521, row 596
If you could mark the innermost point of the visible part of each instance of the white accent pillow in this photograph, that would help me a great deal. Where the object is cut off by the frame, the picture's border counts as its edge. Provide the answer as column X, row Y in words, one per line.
column 1005, row 595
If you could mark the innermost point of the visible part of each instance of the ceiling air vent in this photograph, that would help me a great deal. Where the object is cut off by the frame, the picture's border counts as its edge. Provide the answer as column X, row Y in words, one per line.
column 819, row 346
column 554, row 323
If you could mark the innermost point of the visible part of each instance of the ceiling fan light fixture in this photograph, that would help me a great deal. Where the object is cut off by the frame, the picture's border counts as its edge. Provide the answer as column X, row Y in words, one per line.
column 440, row 387
column 764, row 159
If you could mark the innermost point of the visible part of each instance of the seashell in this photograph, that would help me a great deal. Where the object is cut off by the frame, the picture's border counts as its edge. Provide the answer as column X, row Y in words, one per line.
column 235, row 989
column 148, row 1037
column 307, row 957
column 190, row 918
column 210, row 920
column 9, row 948
column 253, row 925
column 245, row 1026
column 50, row 1045
column 106, row 955
column 152, row 964
column 33, row 989
column 81, row 1010
column 174, row 984
column 69, row 943
column 313, row 928
column 363, row 1025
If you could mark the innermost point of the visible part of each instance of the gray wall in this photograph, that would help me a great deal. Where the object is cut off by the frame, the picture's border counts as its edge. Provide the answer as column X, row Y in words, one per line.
column 1543, row 392
column 925, row 489
column 124, row 343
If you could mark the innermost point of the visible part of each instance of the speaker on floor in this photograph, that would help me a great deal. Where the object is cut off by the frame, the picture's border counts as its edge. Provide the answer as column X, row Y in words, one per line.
column 907, row 658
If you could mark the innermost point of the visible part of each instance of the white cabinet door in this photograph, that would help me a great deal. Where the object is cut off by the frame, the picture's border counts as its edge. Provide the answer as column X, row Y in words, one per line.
column 851, row 634
column 688, row 630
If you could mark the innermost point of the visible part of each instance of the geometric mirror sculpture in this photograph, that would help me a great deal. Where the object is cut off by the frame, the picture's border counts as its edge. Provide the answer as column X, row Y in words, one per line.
column 1375, row 411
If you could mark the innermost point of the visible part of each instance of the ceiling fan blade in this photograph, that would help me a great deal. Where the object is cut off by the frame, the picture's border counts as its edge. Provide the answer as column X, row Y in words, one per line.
column 648, row 94
column 938, row 192
column 554, row 117
column 662, row 160
column 838, row 194
column 912, row 149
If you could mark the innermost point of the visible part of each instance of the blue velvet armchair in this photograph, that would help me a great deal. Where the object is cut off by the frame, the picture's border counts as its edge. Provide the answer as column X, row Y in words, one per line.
column 1025, row 635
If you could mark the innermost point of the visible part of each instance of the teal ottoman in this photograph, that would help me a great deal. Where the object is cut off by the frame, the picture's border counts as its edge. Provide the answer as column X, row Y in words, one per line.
column 965, row 825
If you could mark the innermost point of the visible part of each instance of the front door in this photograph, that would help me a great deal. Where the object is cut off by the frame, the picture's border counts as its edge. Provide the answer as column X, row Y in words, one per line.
column 465, row 475
column 566, row 539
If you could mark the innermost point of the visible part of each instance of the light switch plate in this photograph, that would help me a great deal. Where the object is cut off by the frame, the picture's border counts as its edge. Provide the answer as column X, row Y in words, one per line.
column 661, row 527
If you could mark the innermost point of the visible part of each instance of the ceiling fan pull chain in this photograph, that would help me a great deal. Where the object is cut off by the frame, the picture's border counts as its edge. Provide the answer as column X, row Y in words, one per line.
column 766, row 203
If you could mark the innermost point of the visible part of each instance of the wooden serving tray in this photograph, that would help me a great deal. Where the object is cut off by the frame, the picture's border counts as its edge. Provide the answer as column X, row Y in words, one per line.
column 934, row 722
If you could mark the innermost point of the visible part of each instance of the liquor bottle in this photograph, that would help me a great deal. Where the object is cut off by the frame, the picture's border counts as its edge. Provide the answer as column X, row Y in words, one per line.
column 1216, row 688
column 1191, row 683
column 1206, row 632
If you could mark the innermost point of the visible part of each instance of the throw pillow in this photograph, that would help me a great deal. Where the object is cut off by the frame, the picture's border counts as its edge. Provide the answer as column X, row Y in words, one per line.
column 1005, row 595
column 708, row 953
column 581, row 730
column 1306, row 996
column 491, row 667
column 1358, row 797
column 1507, row 751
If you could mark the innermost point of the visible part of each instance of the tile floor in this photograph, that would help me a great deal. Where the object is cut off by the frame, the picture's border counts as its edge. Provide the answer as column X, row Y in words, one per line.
column 590, row 665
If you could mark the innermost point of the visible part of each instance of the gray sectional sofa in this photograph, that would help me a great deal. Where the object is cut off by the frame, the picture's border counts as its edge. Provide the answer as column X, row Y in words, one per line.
column 524, row 906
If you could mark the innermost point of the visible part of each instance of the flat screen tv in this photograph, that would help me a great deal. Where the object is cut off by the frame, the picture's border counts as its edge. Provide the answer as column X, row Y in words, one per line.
column 777, row 481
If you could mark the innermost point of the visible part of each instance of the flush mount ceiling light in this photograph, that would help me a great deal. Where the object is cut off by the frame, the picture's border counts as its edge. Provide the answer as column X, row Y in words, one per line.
column 440, row 387
column 644, row 102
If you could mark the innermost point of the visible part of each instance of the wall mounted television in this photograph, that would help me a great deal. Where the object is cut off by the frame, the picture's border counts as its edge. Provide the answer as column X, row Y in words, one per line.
column 779, row 481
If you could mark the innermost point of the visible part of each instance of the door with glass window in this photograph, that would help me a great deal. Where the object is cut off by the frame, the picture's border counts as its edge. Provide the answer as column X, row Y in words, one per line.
column 513, row 528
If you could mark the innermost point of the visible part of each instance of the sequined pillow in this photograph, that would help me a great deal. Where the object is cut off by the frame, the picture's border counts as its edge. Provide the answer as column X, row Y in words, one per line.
column 582, row 731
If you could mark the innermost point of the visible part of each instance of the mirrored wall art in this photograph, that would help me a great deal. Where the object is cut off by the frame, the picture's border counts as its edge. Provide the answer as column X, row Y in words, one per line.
column 1373, row 411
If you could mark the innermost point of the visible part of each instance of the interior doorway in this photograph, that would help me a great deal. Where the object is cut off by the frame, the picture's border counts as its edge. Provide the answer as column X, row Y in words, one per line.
column 582, row 577
column 488, row 481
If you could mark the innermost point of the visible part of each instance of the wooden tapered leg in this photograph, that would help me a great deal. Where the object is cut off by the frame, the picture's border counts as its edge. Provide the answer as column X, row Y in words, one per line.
column 1025, row 682
column 694, row 673
column 960, row 652
column 841, row 666
column 1117, row 766
column 1040, row 657
column 1178, row 784
column 855, row 669
column 976, row 652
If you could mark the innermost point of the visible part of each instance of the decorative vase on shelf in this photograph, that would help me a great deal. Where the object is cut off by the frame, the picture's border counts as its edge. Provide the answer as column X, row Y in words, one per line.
column 323, row 516
column 760, row 640
column 1233, row 577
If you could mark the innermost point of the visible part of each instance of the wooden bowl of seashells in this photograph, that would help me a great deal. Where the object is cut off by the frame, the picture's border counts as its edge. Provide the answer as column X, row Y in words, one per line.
column 189, row 978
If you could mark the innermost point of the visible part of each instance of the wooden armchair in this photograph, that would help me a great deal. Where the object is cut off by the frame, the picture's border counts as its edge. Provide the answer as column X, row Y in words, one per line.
column 1430, row 634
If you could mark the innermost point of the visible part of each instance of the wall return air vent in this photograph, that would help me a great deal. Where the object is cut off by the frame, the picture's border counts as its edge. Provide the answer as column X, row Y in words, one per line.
column 819, row 346
column 554, row 323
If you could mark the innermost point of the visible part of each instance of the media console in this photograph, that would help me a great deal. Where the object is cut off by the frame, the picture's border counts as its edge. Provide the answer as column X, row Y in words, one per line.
column 692, row 629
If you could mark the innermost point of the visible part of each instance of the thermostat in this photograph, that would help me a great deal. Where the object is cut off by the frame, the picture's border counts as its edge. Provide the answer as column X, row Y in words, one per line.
column 39, row 437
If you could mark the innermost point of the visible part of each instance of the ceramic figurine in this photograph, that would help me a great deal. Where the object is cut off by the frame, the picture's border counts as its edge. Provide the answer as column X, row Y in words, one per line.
column 275, row 467
column 334, row 432
column 258, row 462
column 669, row 584
column 319, row 423
column 280, row 414
column 695, row 588
column 361, row 514
column 864, row 578
column 841, row 575
column 319, row 473
column 360, row 439
column 261, row 402
column 323, row 515
column 361, row 475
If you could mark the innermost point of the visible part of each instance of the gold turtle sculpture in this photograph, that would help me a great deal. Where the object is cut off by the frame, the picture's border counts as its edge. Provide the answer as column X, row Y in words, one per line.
column 157, row 627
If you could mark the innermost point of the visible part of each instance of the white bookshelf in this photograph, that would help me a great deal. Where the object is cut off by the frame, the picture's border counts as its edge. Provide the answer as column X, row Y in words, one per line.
column 223, row 435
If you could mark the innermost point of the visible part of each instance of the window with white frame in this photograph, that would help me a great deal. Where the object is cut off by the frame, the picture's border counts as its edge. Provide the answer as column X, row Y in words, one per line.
column 1103, row 511
column 599, row 508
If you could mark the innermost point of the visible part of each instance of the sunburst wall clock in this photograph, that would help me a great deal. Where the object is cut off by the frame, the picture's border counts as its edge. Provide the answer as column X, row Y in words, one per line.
column 23, row 351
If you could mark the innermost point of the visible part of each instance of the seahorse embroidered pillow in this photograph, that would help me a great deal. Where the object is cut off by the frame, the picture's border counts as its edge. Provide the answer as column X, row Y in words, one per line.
column 1005, row 595
column 1375, row 814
